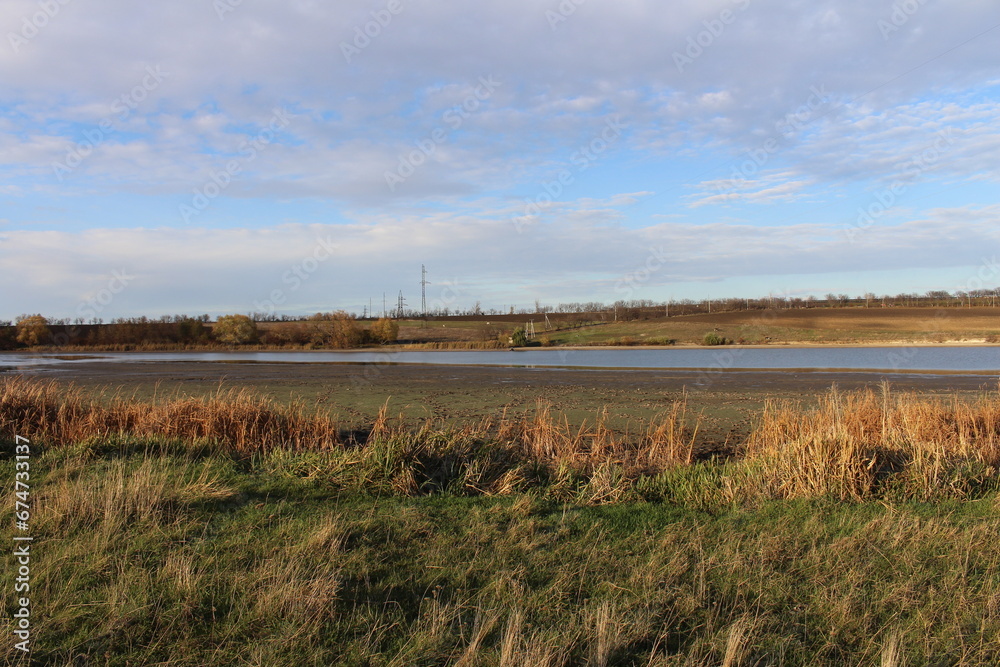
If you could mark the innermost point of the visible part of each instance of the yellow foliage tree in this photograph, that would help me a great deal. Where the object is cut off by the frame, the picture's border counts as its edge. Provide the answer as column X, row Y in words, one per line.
column 235, row 330
column 384, row 330
column 32, row 330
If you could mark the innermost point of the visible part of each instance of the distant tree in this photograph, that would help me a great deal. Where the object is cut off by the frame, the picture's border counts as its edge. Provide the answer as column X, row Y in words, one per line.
column 235, row 330
column 8, row 336
column 190, row 330
column 32, row 330
column 519, row 338
column 384, row 331
column 338, row 330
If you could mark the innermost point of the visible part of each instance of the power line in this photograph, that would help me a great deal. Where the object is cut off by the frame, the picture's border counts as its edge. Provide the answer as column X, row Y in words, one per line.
column 399, row 306
column 423, row 290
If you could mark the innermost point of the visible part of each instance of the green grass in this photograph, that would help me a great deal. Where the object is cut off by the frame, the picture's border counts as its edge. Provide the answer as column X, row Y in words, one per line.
column 153, row 552
column 859, row 531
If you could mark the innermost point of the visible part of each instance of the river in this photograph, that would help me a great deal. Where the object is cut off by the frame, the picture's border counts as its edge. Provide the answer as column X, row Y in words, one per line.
column 937, row 359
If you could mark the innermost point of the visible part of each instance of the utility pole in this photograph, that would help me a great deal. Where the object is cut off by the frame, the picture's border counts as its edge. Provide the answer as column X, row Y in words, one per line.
column 423, row 290
column 384, row 312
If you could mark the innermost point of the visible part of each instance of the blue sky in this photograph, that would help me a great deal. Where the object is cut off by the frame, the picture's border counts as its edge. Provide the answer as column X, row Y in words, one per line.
column 230, row 156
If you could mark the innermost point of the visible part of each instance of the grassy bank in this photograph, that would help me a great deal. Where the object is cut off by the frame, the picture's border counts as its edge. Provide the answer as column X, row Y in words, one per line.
column 235, row 530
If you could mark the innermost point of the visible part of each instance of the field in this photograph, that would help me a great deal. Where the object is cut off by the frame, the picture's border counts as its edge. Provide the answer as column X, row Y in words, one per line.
column 190, row 524
column 806, row 326
column 802, row 326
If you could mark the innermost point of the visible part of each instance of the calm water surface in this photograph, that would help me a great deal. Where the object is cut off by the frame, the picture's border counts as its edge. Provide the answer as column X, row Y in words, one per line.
column 978, row 359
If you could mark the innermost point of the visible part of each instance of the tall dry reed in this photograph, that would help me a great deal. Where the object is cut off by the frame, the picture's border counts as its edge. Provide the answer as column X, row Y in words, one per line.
column 853, row 444
column 240, row 420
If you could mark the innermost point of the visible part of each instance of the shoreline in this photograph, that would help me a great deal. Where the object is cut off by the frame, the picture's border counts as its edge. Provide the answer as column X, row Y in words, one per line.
column 421, row 347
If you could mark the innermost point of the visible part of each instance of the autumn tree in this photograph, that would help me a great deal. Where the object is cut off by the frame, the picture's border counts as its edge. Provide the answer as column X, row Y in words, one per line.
column 384, row 331
column 32, row 330
column 338, row 330
column 235, row 330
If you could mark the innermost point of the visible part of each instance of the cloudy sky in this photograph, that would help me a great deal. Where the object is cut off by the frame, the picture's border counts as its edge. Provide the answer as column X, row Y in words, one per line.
column 227, row 156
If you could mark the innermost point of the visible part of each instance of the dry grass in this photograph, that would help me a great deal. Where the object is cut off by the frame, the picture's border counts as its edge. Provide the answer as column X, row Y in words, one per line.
column 126, row 494
column 240, row 420
column 852, row 445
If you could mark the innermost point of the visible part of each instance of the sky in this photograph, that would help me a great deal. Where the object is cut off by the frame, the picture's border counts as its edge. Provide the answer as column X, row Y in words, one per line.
column 297, row 156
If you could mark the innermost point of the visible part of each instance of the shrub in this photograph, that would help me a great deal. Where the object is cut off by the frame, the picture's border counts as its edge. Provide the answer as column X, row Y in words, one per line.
column 661, row 341
column 519, row 338
column 715, row 339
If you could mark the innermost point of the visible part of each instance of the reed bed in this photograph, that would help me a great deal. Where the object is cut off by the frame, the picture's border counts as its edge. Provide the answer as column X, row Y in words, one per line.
column 861, row 444
column 241, row 421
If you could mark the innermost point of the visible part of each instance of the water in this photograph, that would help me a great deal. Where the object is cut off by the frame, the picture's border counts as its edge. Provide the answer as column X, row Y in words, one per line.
column 977, row 359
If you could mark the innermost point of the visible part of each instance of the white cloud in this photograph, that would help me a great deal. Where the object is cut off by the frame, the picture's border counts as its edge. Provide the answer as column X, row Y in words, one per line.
column 884, row 99
column 234, row 268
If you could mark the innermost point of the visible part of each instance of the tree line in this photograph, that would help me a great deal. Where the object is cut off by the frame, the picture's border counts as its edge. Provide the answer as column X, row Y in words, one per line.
column 341, row 329
column 338, row 330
